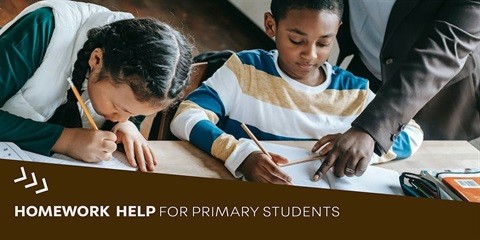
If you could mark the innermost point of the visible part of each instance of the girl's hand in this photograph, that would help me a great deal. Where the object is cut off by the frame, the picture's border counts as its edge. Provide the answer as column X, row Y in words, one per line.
column 86, row 144
column 259, row 167
column 136, row 146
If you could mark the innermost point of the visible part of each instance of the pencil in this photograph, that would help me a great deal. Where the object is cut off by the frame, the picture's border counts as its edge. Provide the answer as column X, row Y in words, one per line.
column 255, row 140
column 301, row 161
column 82, row 104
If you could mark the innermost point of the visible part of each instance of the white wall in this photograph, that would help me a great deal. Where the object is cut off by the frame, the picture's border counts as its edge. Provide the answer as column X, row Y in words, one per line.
column 255, row 9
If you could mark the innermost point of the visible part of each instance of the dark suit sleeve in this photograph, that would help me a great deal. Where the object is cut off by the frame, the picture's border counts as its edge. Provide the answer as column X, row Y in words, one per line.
column 435, row 59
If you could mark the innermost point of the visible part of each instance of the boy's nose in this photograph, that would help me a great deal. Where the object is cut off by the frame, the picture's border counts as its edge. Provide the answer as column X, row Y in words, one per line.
column 310, row 52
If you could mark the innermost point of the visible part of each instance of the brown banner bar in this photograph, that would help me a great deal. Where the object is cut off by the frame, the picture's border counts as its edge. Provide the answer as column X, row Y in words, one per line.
column 82, row 201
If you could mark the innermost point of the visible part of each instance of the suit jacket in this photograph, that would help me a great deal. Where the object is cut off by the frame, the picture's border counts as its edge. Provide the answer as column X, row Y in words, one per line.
column 430, row 71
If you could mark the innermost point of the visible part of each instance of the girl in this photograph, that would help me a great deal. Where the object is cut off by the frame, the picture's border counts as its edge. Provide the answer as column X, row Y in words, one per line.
column 123, row 67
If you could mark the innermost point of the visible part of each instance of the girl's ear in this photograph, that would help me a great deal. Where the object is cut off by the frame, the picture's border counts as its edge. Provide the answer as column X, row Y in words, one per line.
column 96, row 60
column 270, row 24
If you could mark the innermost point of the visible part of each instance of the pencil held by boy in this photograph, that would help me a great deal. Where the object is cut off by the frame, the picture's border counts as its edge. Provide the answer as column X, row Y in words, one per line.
column 120, row 65
column 291, row 93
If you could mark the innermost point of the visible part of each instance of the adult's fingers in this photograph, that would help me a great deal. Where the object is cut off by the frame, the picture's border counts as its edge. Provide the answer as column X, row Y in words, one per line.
column 325, row 139
column 350, row 166
column 326, row 149
column 326, row 165
column 362, row 166
column 341, row 164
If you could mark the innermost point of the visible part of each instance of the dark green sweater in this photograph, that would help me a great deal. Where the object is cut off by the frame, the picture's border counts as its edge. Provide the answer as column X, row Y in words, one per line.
column 23, row 47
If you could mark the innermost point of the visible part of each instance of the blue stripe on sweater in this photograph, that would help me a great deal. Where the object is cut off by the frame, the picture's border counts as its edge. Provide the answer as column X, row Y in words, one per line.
column 204, row 134
column 401, row 146
column 345, row 80
column 263, row 61
column 207, row 98
column 259, row 59
column 233, row 127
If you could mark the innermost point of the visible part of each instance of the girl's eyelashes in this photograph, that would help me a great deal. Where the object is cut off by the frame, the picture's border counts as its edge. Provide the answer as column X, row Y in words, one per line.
column 121, row 109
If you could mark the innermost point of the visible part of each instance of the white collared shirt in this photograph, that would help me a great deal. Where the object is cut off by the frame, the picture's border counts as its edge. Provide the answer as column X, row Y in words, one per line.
column 368, row 20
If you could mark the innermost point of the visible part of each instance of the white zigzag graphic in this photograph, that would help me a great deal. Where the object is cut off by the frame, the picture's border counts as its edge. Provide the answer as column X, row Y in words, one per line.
column 44, row 189
column 34, row 183
column 23, row 177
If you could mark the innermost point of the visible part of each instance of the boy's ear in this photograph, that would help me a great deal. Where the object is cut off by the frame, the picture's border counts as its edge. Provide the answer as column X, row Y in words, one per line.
column 96, row 60
column 270, row 24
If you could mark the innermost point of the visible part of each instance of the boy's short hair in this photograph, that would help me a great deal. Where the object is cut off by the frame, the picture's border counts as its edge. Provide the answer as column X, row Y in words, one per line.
column 280, row 8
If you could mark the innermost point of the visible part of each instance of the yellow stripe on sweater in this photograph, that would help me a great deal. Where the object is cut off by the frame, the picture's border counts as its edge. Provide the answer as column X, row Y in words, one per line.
column 223, row 146
column 189, row 105
column 276, row 91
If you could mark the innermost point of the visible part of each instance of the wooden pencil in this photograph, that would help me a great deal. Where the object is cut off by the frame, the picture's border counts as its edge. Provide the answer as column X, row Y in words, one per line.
column 301, row 161
column 82, row 104
column 255, row 140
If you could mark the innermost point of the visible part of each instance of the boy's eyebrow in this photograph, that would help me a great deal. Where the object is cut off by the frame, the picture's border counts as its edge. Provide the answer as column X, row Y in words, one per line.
column 294, row 30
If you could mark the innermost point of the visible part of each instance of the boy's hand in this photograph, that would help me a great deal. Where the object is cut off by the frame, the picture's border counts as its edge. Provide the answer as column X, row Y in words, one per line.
column 259, row 167
column 350, row 154
column 86, row 144
column 135, row 145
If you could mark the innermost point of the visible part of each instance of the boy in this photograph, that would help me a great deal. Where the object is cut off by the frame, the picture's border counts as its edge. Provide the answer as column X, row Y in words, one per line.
column 291, row 93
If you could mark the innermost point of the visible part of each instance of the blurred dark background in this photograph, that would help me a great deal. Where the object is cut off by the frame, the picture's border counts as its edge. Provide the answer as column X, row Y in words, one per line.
column 211, row 24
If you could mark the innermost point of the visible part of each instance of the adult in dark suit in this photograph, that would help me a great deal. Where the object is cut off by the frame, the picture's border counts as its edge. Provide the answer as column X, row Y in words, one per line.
column 428, row 69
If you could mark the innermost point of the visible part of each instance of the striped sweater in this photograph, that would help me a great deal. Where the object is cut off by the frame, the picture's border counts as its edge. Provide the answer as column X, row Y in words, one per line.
column 251, row 88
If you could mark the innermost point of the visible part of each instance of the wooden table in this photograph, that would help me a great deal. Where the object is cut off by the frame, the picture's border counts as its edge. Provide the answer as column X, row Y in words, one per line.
column 182, row 158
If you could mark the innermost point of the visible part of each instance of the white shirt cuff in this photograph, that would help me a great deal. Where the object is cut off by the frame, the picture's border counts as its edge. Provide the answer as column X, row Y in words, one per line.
column 238, row 156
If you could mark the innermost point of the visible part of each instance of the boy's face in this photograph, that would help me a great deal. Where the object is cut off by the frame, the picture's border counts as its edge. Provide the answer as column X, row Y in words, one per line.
column 304, row 39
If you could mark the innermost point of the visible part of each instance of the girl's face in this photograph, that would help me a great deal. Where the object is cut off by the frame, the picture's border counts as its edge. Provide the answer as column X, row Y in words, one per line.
column 116, row 102
column 304, row 40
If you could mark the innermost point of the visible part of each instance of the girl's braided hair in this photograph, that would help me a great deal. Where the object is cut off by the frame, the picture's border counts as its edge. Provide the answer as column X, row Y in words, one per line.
column 150, row 56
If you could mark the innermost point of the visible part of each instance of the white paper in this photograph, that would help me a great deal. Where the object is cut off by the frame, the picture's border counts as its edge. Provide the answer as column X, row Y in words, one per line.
column 118, row 162
column 374, row 180
column 11, row 151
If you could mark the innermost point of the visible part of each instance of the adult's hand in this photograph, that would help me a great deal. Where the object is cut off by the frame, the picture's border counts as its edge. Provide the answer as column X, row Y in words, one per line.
column 350, row 154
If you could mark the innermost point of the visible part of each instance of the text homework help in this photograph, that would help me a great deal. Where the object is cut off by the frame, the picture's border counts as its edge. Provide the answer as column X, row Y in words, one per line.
column 132, row 211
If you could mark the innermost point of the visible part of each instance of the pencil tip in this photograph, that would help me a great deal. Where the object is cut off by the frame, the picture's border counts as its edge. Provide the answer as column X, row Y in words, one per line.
column 69, row 80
